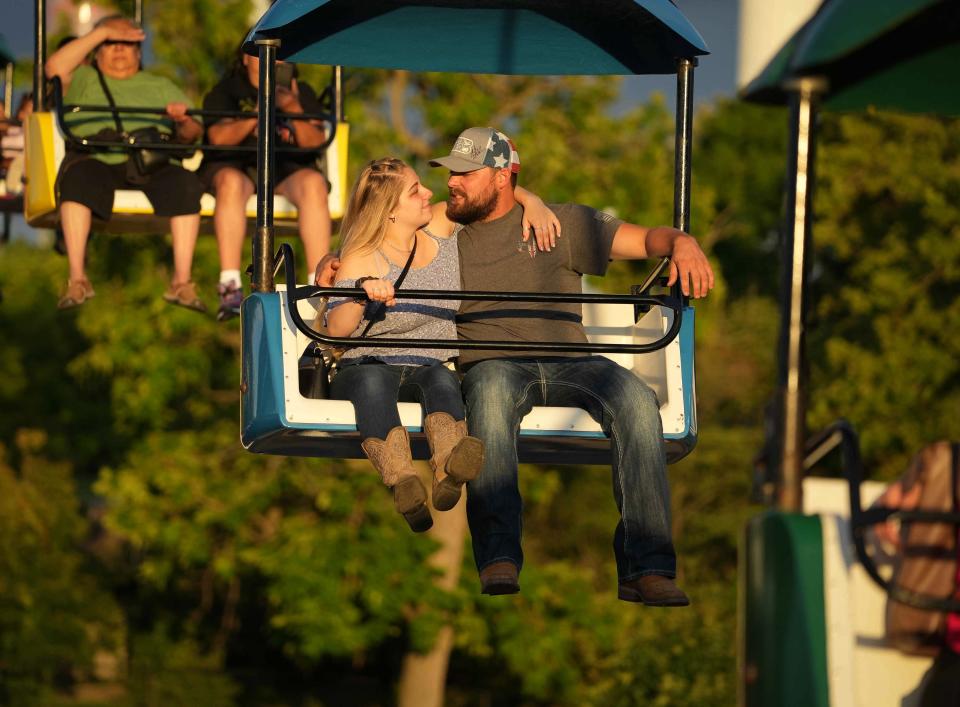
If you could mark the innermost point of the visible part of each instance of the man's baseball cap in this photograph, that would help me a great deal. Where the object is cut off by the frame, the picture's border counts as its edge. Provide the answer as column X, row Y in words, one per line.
column 477, row 148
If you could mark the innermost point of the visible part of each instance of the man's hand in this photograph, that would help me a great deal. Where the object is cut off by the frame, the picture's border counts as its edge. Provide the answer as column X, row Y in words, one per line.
column 690, row 265
column 326, row 273
column 288, row 99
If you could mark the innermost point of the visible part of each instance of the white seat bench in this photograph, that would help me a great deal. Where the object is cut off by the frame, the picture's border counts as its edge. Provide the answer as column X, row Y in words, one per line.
column 548, row 433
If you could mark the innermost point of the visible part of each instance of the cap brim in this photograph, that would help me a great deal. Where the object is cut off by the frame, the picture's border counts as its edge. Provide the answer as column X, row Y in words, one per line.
column 456, row 164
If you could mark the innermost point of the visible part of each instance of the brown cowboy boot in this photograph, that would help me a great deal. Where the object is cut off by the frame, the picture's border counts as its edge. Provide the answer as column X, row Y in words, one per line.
column 455, row 457
column 392, row 458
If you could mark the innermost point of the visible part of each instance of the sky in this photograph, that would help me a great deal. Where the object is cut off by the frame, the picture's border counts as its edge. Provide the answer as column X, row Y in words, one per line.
column 715, row 19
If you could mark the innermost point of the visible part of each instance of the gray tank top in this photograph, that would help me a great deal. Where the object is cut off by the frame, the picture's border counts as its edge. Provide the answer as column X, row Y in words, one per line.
column 413, row 319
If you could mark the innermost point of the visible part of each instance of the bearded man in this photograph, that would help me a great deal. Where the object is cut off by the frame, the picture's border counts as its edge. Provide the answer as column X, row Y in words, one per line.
column 501, row 387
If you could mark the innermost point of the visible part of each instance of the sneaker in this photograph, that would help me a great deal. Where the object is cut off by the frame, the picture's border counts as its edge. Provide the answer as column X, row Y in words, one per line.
column 653, row 590
column 77, row 292
column 500, row 578
column 231, row 297
column 184, row 294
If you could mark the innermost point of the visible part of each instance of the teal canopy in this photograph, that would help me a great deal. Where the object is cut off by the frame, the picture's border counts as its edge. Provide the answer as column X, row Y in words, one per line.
column 892, row 54
column 551, row 37
column 6, row 56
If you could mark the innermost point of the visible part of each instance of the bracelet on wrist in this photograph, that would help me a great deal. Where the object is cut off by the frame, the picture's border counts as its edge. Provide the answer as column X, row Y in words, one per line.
column 358, row 283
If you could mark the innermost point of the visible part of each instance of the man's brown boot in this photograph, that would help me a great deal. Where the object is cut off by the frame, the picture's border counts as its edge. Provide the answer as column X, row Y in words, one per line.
column 500, row 578
column 653, row 590
column 455, row 457
column 391, row 457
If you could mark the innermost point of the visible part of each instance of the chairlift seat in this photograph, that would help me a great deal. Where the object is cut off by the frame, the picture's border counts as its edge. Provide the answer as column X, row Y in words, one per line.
column 132, row 211
column 277, row 419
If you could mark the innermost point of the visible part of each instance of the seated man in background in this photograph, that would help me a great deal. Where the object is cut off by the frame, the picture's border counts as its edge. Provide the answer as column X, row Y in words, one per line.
column 87, row 181
column 230, row 176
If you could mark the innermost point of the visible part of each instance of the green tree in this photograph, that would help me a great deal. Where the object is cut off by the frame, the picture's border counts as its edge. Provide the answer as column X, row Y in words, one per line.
column 887, row 280
column 54, row 613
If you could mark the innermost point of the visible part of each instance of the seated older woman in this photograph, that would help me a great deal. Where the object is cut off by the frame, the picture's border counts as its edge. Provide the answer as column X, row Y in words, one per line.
column 87, row 182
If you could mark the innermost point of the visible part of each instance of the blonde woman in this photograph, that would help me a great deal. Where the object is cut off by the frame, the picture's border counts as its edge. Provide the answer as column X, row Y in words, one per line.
column 388, row 218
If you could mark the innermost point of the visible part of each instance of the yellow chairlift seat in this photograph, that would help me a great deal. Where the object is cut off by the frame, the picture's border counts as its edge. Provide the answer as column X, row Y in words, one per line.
column 132, row 212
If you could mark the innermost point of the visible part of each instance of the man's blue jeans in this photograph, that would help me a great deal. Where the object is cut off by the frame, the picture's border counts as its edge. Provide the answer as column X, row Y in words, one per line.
column 499, row 392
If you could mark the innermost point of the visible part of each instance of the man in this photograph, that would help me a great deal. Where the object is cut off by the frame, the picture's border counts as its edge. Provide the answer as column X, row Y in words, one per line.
column 230, row 175
column 87, row 181
column 501, row 387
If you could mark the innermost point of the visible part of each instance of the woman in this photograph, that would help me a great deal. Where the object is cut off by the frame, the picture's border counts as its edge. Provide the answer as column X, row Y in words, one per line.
column 388, row 218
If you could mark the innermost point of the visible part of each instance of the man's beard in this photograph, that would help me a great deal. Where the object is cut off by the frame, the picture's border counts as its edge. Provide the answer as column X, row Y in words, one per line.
column 468, row 211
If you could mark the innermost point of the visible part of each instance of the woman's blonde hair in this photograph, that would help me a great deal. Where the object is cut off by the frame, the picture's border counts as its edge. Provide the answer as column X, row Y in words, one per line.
column 374, row 196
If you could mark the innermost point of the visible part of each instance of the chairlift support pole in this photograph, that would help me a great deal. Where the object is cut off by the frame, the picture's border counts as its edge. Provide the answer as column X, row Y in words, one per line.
column 683, row 144
column 8, row 91
column 797, row 242
column 39, row 56
column 266, row 163
column 683, row 147
column 338, row 93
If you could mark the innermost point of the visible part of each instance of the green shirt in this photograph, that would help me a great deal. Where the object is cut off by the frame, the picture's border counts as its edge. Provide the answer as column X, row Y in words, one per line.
column 491, row 259
column 142, row 90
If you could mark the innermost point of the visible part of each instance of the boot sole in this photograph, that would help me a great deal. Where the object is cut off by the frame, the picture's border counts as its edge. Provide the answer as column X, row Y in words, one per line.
column 499, row 585
column 463, row 465
column 635, row 596
column 466, row 459
column 446, row 494
column 410, row 500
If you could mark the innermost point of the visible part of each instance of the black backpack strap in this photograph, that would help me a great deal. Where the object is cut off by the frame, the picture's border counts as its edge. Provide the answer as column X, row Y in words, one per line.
column 113, row 105
column 396, row 286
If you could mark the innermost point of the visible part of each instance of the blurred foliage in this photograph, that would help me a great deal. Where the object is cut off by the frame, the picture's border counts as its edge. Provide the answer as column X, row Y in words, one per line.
column 888, row 282
column 195, row 41
column 146, row 553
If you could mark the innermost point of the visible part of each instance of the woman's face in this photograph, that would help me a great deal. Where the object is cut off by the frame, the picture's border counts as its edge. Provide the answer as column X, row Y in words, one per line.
column 119, row 59
column 413, row 208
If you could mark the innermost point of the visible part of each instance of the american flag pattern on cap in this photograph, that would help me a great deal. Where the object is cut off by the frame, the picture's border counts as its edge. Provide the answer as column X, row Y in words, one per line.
column 501, row 153
column 480, row 147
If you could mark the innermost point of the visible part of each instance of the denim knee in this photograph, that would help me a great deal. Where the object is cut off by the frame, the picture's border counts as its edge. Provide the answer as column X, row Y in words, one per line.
column 626, row 393
column 492, row 385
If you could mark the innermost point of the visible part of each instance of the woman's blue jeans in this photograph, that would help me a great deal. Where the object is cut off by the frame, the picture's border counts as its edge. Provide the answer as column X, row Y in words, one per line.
column 375, row 387
column 499, row 392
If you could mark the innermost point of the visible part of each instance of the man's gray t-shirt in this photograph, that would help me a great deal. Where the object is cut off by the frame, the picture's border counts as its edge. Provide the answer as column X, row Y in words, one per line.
column 491, row 259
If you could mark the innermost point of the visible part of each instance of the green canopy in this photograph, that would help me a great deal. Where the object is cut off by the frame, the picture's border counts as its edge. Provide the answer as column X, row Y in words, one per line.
column 484, row 36
column 892, row 54
column 6, row 56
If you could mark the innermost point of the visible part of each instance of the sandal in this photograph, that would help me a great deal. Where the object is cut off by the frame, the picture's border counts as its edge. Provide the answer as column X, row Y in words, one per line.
column 77, row 292
column 184, row 294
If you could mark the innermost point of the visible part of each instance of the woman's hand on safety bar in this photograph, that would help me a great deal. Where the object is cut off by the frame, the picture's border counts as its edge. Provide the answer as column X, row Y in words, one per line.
column 380, row 291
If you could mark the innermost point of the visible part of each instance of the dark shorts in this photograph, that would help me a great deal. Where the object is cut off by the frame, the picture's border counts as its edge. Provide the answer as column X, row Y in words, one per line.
column 172, row 191
column 208, row 170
